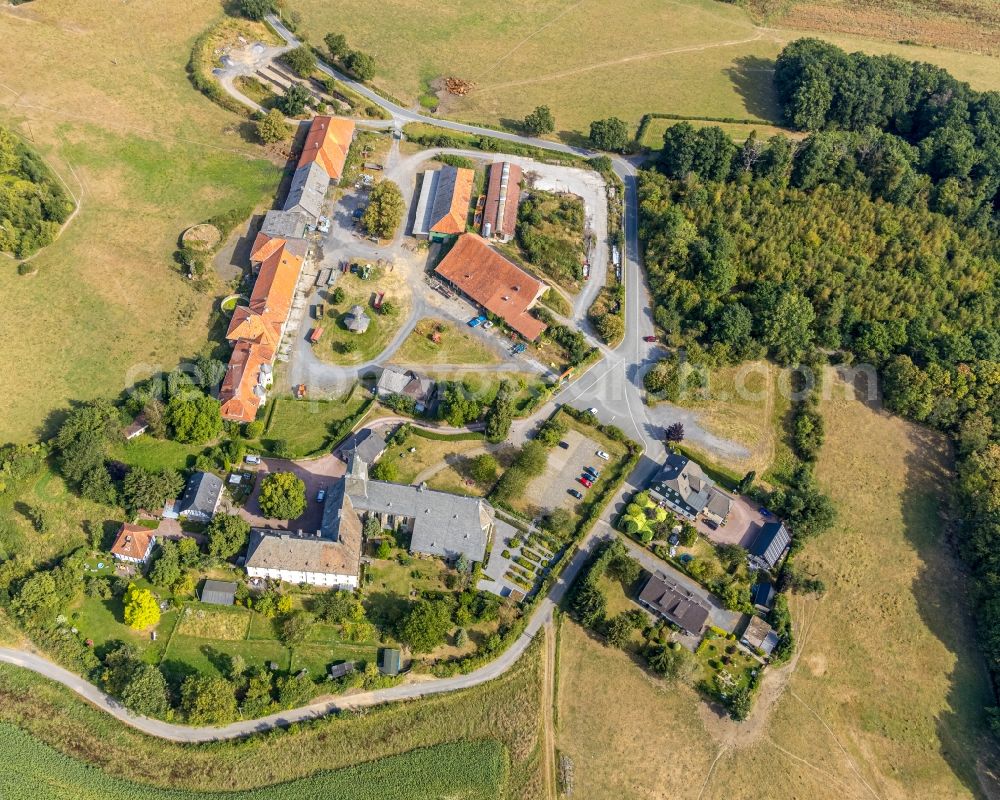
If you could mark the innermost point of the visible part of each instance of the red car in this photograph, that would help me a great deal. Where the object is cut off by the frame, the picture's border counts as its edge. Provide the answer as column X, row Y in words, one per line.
column 585, row 481
column 649, row 338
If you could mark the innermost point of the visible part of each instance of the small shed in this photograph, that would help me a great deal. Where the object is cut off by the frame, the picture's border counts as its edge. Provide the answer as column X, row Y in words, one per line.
column 219, row 593
column 389, row 661
column 340, row 670
column 356, row 320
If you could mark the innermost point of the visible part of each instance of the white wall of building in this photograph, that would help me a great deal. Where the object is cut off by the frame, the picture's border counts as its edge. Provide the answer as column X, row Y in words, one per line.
column 329, row 579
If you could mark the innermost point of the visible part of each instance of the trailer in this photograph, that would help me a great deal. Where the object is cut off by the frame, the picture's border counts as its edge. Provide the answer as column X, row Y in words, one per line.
column 315, row 335
column 377, row 305
column 616, row 258
column 373, row 165
column 323, row 278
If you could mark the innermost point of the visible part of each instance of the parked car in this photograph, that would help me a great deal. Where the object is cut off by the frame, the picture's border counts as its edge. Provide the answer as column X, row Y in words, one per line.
column 252, row 459
column 488, row 324
column 520, row 347
column 475, row 322
column 712, row 524
column 564, row 445
column 592, row 471
column 649, row 338
column 321, row 494
column 576, row 494
column 602, row 454
column 583, row 479
column 592, row 411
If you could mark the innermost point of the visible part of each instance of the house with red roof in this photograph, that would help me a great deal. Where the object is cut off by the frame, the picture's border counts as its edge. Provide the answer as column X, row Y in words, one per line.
column 495, row 283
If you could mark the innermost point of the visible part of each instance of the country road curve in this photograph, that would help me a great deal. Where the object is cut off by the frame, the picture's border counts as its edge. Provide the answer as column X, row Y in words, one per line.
column 236, row 730
column 616, row 390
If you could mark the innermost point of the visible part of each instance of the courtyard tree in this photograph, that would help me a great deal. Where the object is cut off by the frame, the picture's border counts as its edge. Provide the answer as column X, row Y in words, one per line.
column 425, row 625
column 227, row 535
column 282, row 496
column 194, row 419
column 484, row 469
column 674, row 433
column 144, row 489
column 384, row 211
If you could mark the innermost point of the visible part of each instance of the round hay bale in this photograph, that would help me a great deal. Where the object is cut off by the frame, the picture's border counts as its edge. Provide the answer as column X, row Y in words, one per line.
column 201, row 237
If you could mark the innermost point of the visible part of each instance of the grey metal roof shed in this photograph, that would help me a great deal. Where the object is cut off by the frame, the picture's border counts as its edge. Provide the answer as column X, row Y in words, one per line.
column 219, row 593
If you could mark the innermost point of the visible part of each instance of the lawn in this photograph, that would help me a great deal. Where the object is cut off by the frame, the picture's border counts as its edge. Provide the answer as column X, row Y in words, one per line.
column 103, row 621
column 308, row 426
column 68, row 513
column 156, row 454
column 585, row 61
column 724, row 667
column 146, row 156
column 429, row 455
column 483, row 386
column 454, row 345
column 342, row 346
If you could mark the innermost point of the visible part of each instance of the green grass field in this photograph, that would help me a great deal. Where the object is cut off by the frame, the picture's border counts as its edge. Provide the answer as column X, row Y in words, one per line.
column 462, row 769
column 308, row 426
column 455, row 346
column 146, row 156
column 588, row 61
column 503, row 711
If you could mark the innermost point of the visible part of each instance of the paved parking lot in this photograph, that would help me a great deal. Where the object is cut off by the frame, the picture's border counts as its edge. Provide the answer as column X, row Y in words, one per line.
column 314, row 473
column 741, row 526
column 551, row 489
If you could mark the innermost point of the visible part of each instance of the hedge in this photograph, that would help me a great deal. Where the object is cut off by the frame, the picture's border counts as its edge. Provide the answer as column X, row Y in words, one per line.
column 439, row 436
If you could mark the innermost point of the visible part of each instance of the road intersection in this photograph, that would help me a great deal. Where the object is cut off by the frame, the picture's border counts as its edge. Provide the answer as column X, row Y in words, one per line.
column 613, row 386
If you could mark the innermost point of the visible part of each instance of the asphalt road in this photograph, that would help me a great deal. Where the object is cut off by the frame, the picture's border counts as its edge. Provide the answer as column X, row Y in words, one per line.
column 236, row 730
column 612, row 387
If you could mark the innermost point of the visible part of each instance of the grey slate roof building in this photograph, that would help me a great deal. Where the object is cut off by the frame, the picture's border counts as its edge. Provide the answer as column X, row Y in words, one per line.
column 219, row 593
column 675, row 604
column 685, row 488
column 441, row 524
column 307, row 191
column 366, row 443
column 769, row 545
column 201, row 497
column 284, row 224
column 407, row 383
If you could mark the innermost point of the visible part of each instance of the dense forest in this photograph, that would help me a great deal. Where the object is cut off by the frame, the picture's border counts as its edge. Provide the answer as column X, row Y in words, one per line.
column 33, row 204
column 876, row 239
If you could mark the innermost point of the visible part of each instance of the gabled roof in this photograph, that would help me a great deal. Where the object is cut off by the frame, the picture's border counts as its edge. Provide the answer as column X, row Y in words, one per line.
column 676, row 603
column 221, row 593
column 503, row 193
column 274, row 289
column 758, row 633
column 770, row 543
column 327, row 144
column 242, row 389
column 284, row 224
column 366, row 444
column 497, row 284
column 452, row 197
column 133, row 541
column 201, row 494
column 252, row 327
column 308, row 188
